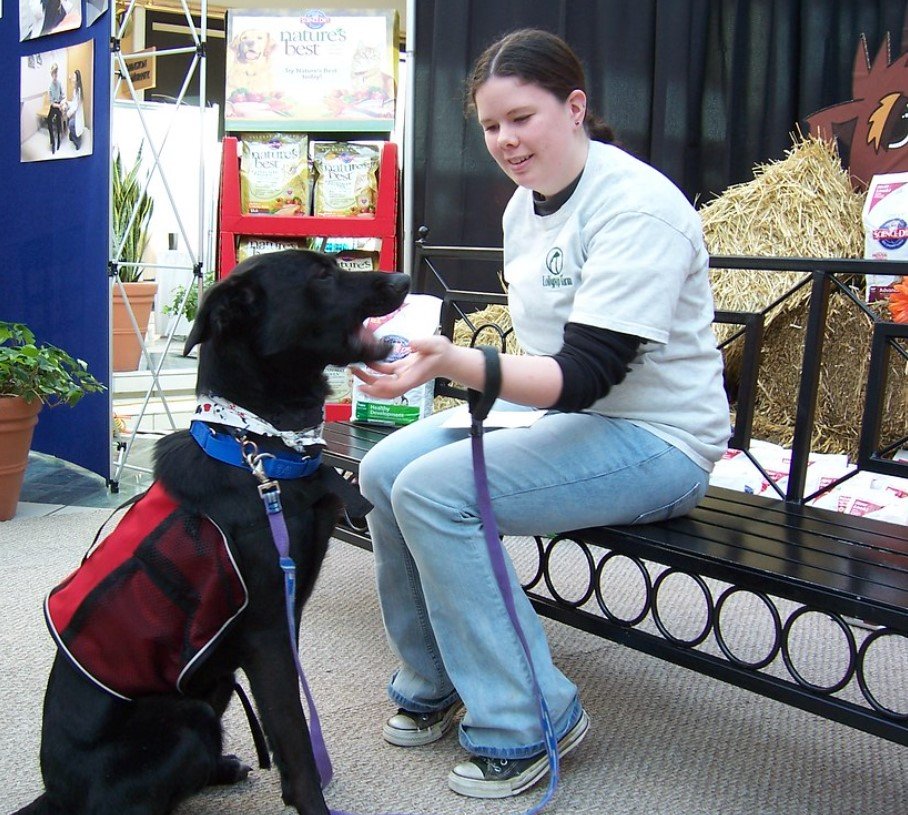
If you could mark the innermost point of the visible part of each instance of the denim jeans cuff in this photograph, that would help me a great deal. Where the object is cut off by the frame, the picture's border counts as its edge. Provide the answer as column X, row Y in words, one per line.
column 562, row 726
column 420, row 707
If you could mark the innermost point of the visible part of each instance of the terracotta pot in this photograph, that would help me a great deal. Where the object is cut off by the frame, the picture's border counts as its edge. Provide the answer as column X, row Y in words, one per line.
column 17, row 425
column 127, row 350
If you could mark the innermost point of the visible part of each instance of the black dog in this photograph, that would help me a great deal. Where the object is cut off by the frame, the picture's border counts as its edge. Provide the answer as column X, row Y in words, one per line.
column 267, row 331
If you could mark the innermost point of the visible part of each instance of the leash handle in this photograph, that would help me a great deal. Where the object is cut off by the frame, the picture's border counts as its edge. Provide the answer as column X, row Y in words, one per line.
column 480, row 402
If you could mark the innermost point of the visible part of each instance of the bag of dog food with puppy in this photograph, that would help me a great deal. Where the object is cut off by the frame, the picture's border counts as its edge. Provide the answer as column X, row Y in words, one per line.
column 274, row 174
column 346, row 178
column 419, row 316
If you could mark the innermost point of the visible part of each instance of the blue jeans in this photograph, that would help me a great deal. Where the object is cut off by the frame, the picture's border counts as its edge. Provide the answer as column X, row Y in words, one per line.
column 441, row 606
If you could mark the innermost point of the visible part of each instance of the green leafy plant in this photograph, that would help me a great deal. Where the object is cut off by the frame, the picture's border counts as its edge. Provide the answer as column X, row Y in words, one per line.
column 41, row 371
column 191, row 306
column 132, row 208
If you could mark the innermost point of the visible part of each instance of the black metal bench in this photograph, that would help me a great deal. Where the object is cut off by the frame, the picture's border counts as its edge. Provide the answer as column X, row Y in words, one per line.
column 813, row 579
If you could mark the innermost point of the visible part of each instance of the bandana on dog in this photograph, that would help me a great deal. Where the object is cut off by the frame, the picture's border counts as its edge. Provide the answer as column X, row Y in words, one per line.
column 216, row 410
column 148, row 603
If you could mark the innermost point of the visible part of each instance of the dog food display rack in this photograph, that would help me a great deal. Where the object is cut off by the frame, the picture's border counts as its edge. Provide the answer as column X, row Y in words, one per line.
column 233, row 223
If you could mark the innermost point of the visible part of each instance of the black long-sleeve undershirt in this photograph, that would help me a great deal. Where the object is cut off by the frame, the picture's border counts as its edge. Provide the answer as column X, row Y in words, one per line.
column 592, row 361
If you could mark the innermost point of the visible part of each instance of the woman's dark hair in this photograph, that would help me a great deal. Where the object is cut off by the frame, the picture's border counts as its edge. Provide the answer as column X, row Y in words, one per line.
column 78, row 86
column 539, row 58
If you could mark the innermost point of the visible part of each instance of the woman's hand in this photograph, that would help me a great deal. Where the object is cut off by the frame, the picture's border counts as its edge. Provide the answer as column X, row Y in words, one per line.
column 526, row 379
column 428, row 358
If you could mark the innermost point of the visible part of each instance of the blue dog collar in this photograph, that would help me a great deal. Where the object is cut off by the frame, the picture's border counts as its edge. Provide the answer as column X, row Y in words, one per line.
column 224, row 447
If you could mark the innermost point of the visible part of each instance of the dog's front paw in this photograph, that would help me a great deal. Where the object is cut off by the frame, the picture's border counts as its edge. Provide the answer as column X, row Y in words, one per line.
column 230, row 770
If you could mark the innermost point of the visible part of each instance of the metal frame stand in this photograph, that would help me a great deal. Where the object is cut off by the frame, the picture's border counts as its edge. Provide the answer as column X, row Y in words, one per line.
column 197, row 258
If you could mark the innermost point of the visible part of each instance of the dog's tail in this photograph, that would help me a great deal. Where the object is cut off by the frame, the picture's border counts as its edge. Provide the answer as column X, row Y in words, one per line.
column 39, row 806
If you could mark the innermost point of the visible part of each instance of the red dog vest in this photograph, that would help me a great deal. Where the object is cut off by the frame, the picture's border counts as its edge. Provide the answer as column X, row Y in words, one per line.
column 150, row 601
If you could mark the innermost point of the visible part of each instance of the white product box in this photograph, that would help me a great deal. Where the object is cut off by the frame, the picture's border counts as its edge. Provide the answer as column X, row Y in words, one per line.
column 885, row 219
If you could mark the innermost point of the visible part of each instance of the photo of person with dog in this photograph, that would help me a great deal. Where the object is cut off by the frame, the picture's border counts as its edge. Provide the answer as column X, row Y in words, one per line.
column 609, row 295
column 56, row 100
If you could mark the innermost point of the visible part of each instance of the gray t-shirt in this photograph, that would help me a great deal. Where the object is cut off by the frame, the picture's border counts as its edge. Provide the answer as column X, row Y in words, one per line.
column 626, row 253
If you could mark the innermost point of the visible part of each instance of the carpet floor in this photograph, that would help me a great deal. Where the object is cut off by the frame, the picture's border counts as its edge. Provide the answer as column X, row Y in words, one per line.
column 664, row 740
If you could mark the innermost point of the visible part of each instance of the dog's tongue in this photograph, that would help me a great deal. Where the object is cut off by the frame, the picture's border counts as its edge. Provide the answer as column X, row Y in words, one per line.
column 369, row 342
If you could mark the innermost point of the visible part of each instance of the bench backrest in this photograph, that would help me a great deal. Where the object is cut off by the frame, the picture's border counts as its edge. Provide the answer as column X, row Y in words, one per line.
column 437, row 267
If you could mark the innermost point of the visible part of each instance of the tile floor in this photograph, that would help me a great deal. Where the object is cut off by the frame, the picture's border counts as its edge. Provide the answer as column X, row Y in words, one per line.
column 52, row 485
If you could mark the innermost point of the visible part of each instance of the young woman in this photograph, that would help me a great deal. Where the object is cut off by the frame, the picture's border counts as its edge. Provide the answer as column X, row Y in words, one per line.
column 75, row 113
column 609, row 295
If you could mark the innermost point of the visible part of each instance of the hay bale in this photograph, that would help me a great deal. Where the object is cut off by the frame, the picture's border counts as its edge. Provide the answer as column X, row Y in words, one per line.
column 802, row 206
column 486, row 327
column 843, row 377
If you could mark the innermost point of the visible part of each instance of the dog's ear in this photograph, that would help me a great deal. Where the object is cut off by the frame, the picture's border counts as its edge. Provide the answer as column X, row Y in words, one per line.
column 225, row 307
column 270, row 44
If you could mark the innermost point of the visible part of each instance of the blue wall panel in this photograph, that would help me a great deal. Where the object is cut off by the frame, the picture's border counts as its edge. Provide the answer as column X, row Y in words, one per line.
column 53, row 222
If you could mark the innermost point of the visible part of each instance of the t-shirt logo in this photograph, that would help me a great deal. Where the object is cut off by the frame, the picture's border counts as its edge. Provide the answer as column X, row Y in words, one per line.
column 554, row 264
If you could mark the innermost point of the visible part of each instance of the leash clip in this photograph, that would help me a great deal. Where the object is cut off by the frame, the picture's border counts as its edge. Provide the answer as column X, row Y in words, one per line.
column 255, row 461
column 270, row 492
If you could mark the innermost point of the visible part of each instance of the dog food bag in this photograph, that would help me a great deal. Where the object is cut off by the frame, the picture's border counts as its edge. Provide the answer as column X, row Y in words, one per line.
column 419, row 316
column 340, row 381
column 331, row 245
column 274, row 174
column 356, row 260
column 346, row 178
column 247, row 247
column 885, row 217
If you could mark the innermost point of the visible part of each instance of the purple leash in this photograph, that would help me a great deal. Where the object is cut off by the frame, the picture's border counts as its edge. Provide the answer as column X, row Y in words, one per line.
column 479, row 404
column 270, row 492
column 271, row 495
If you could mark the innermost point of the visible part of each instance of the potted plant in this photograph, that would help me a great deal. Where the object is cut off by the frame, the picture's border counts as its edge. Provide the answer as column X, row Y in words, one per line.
column 32, row 375
column 132, row 208
column 180, row 310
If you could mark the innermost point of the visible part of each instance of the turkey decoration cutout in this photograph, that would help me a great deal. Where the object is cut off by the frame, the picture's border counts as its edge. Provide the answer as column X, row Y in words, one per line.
column 871, row 129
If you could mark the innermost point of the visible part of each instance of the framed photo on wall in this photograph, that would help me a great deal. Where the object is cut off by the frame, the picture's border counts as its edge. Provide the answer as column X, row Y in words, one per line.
column 56, row 101
column 38, row 18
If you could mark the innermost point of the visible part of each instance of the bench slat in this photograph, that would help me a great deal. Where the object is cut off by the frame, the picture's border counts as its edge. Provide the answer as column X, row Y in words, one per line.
column 757, row 564
column 883, row 551
column 808, row 515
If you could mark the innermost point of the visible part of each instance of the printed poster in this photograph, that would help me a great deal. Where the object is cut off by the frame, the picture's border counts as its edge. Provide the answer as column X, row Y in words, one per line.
column 38, row 18
column 55, row 102
column 311, row 70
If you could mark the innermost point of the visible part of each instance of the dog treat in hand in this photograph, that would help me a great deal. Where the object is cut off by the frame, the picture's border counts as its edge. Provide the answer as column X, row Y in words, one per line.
column 274, row 174
column 346, row 178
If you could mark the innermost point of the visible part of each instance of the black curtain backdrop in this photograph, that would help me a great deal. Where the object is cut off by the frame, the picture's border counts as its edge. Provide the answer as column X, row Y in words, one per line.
column 702, row 89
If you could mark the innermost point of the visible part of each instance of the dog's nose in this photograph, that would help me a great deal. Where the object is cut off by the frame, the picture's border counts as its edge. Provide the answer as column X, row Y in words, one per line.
column 399, row 281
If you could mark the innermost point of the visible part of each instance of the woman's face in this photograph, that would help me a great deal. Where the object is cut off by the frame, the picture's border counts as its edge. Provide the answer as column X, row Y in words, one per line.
column 536, row 139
